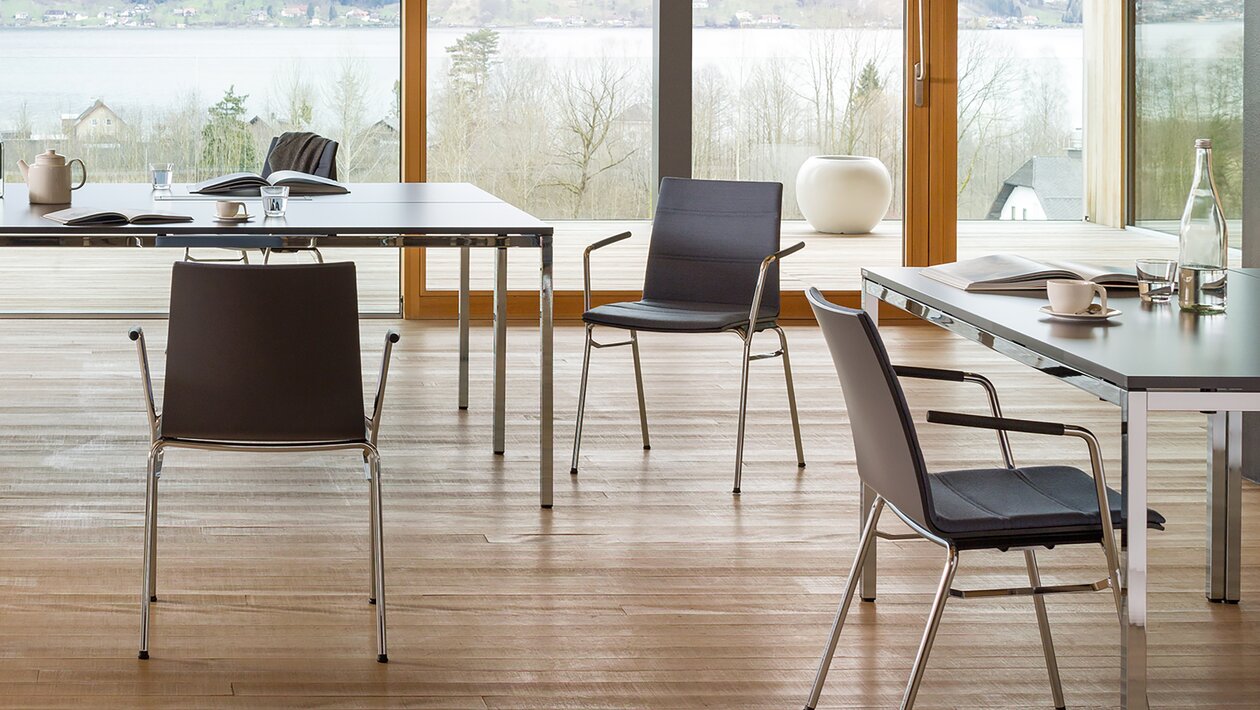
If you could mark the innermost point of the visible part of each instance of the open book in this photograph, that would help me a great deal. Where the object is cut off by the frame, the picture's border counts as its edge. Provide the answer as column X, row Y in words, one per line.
column 248, row 184
column 88, row 217
column 1012, row 272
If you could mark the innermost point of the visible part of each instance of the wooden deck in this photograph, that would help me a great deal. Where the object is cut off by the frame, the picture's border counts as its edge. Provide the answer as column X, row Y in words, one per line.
column 648, row 585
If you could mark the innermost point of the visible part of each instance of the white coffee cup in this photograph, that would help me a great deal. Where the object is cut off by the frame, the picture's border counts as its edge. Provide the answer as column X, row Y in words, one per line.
column 230, row 209
column 1073, row 296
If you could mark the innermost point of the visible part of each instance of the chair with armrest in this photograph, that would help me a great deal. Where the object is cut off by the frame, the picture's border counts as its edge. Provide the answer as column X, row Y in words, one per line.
column 325, row 166
column 712, row 267
column 1008, row 508
column 244, row 377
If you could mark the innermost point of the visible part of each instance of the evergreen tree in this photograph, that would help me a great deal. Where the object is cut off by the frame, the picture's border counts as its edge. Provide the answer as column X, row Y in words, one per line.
column 226, row 143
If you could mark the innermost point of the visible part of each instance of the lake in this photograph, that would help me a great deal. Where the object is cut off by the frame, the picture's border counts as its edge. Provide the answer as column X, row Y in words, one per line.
column 58, row 71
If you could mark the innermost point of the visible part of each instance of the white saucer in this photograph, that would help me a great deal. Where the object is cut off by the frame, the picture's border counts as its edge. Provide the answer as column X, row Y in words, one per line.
column 1111, row 313
column 237, row 218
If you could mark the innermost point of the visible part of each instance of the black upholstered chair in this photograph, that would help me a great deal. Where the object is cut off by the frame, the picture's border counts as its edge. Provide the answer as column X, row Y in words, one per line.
column 244, row 377
column 1007, row 508
column 712, row 267
column 327, row 167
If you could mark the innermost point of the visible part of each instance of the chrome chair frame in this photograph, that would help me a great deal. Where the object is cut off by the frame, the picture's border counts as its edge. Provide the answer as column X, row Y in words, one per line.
column 945, row 588
column 371, row 471
column 745, row 333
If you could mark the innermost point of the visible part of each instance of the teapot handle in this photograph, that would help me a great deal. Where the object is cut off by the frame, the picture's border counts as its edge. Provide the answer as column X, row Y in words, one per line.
column 84, row 168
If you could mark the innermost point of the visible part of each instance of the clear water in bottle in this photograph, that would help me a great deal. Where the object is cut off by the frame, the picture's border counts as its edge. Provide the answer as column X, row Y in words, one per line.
column 1202, row 278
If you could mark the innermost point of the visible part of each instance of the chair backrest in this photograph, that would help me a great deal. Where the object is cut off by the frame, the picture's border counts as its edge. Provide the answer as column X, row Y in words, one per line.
column 263, row 354
column 326, row 168
column 709, row 238
column 889, row 459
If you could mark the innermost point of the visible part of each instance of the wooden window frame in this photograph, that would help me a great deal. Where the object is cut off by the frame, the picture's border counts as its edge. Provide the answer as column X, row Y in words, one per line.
column 930, row 145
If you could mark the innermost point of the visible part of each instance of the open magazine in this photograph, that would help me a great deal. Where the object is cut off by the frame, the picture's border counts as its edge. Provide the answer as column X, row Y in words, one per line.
column 248, row 184
column 1012, row 272
column 87, row 217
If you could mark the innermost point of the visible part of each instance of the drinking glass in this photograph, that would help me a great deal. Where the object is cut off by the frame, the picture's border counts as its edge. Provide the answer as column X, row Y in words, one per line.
column 275, row 200
column 163, row 174
column 1156, row 278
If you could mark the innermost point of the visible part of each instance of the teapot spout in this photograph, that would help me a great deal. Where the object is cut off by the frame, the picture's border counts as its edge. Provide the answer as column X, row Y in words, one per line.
column 26, row 169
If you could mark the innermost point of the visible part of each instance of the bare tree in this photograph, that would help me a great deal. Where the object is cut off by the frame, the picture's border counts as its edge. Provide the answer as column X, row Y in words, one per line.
column 592, row 99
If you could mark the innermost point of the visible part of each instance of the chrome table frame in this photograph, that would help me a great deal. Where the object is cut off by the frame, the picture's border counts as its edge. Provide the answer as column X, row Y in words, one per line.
column 145, row 236
column 1224, row 479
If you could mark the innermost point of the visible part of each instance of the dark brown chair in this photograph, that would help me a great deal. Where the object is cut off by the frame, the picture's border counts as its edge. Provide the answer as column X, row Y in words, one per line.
column 263, row 359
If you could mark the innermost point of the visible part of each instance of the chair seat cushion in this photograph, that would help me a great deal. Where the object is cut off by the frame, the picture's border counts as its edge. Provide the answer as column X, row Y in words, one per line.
column 675, row 316
column 1014, row 502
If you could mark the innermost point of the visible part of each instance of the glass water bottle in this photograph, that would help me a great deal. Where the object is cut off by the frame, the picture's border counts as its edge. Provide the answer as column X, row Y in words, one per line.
column 1204, row 240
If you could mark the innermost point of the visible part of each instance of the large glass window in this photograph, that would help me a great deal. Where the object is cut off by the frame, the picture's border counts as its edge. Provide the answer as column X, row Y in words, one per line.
column 1189, row 85
column 777, row 83
column 547, row 105
column 204, row 86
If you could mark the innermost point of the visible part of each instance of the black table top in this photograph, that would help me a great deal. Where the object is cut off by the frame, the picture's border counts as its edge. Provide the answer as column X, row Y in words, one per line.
column 1147, row 346
column 370, row 209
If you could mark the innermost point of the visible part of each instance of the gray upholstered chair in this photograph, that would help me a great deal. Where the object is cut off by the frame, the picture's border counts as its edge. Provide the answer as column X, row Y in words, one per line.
column 326, row 167
column 244, row 377
column 1007, row 508
column 712, row 267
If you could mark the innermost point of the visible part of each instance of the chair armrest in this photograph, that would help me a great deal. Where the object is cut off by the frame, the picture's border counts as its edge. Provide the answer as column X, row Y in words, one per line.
column 930, row 373
column 586, row 265
column 1026, row 426
column 766, row 263
column 374, row 422
column 136, row 334
column 995, row 407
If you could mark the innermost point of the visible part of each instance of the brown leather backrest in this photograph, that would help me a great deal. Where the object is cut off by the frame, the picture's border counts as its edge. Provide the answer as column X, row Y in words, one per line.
column 263, row 354
column 709, row 238
column 889, row 459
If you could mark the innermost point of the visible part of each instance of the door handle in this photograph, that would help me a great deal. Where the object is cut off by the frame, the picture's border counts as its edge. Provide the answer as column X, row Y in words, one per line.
column 920, row 67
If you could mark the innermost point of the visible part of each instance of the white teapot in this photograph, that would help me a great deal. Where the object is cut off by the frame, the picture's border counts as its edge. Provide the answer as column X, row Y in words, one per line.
column 48, row 180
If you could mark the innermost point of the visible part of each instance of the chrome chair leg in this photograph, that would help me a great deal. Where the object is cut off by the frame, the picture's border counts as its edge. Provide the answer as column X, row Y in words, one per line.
column 850, row 586
column 743, row 412
column 319, row 256
column 791, row 394
column 581, row 410
column 638, row 381
column 150, row 512
column 378, row 558
column 151, row 522
column 929, row 632
column 367, row 474
column 1043, row 625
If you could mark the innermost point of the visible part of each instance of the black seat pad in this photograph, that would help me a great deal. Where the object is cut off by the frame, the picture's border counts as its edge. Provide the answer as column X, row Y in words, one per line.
column 1004, row 501
column 676, row 317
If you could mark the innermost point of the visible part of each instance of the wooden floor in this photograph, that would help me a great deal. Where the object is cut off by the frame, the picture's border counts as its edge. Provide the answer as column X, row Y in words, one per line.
column 647, row 586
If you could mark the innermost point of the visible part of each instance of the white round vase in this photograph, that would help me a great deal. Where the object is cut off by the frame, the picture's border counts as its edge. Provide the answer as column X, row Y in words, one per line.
column 843, row 194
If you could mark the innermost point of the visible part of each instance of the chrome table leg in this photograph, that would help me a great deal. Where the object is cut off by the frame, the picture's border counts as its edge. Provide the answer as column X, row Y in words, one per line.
column 464, row 315
column 1224, row 507
column 500, row 348
column 1133, row 618
column 546, row 366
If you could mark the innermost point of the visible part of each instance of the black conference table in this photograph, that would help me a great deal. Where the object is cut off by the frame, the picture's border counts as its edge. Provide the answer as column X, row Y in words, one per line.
column 1151, row 358
column 380, row 215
